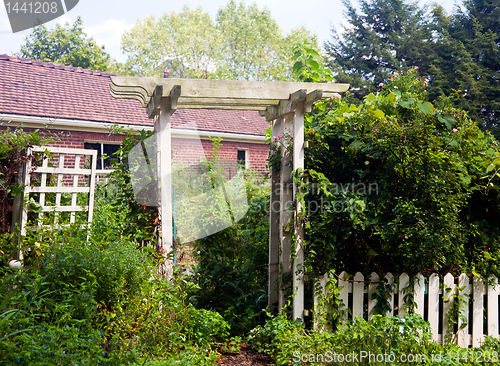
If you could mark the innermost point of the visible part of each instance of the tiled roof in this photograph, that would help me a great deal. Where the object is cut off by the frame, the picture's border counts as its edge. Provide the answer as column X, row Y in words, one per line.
column 44, row 89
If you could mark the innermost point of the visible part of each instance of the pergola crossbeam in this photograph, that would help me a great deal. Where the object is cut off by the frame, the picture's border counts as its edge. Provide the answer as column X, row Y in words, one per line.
column 217, row 89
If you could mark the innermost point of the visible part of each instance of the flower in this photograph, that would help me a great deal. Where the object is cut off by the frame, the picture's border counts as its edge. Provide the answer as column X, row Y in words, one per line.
column 336, row 96
column 455, row 130
column 416, row 67
column 381, row 84
column 279, row 136
column 273, row 139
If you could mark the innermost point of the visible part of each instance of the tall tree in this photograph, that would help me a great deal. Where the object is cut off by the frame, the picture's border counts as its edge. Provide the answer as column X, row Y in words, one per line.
column 477, row 27
column 383, row 37
column 68, row 45
column 183, row 43
column 241, row 43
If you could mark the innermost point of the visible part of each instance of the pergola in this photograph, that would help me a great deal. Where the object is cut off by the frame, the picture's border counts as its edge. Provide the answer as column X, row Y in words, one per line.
column 284, row 105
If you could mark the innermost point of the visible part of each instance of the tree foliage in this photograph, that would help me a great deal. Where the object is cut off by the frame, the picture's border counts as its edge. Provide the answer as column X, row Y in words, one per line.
column 458, row 53
column 243, row 42
column 400, row 184
column 383, row 37
column 67, row 45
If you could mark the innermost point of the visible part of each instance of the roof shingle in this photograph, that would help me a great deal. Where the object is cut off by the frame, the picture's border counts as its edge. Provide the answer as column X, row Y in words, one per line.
column 44, row 89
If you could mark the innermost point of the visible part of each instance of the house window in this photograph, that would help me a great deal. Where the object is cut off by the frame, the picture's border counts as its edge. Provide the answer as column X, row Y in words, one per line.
column 243, row 158
column 106, row 153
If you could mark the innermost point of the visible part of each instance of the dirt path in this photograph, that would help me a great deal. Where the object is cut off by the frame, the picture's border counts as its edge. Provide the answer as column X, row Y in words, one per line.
column 246, row 357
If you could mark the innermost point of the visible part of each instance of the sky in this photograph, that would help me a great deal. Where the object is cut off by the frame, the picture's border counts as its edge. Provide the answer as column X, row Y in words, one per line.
column 106, row 21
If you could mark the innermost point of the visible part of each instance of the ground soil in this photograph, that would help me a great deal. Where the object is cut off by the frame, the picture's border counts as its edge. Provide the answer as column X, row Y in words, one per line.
column 246, row 357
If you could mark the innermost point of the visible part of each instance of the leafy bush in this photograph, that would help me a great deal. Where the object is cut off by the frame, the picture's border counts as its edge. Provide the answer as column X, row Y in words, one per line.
column 401, row 341
column 99, row 303
column 140, row 221
column 13, row 154
column 398, row 184
column 231, row 265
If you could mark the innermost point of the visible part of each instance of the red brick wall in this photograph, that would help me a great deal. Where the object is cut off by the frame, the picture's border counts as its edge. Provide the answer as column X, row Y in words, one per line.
column 187, row 151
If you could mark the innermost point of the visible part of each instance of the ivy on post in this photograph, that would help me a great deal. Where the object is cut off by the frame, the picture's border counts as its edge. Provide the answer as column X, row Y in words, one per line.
column 274, row 235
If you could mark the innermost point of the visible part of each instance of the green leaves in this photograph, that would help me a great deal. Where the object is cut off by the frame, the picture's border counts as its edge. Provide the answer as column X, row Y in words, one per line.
column 68, row 45
column 309, row 66
column 378, row 114
column 437, row 178
column 425, row 107
column 406, row 104
column 241, row 43
column 448, row 119
column 34, row 206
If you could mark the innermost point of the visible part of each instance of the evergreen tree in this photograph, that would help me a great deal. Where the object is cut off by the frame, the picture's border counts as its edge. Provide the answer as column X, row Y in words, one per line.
column 384, row 37
column 477, row 27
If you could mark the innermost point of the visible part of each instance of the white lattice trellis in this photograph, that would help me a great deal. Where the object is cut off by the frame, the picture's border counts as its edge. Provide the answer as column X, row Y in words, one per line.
column 69, row 173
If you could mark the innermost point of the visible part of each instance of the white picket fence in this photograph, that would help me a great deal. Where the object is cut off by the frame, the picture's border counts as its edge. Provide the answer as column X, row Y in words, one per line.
column 483, row 319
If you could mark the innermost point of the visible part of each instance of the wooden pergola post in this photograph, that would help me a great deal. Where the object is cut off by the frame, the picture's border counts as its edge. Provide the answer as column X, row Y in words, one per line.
column 298, row 162
column 284, row 105
column 274, row 234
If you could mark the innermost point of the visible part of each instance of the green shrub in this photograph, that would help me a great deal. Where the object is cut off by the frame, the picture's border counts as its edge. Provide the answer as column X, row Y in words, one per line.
column 101, row 303
column 396, row 341
column 398, row 184
column 231, row 268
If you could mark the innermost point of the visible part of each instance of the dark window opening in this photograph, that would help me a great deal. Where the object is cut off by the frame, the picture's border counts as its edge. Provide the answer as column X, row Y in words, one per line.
column 106, row 154
column 242, row 158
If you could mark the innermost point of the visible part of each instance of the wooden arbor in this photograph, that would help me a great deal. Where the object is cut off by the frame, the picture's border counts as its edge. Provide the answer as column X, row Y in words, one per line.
column 284, row 105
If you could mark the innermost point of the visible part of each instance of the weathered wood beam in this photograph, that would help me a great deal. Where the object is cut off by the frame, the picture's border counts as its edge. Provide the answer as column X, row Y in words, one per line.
column 154, row 104
column 164, row 157
column 228, row 101
column 289, row 106
column 225, row 89
column 224, row 107
column 312, row 98
column 174, row 95
column 153, row 107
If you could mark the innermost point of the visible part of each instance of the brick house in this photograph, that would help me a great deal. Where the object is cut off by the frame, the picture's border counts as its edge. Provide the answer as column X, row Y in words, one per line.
column 76, row 106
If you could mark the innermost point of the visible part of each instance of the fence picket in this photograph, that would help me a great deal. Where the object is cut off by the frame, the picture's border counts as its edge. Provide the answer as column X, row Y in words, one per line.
column 358, row 290
column 404, row 282
column 419, row 294
column 493, row 292
column 390, row 282
column 449, row 283
column 344, row 293
column 353, row 292
column 434, row 306
column 477, row 311
column 464, row 291
column 74, row 195
column 372, row 289
column 321, row 283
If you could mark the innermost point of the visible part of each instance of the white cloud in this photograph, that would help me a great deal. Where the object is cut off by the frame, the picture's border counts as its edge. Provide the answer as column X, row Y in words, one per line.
column 109, row 35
